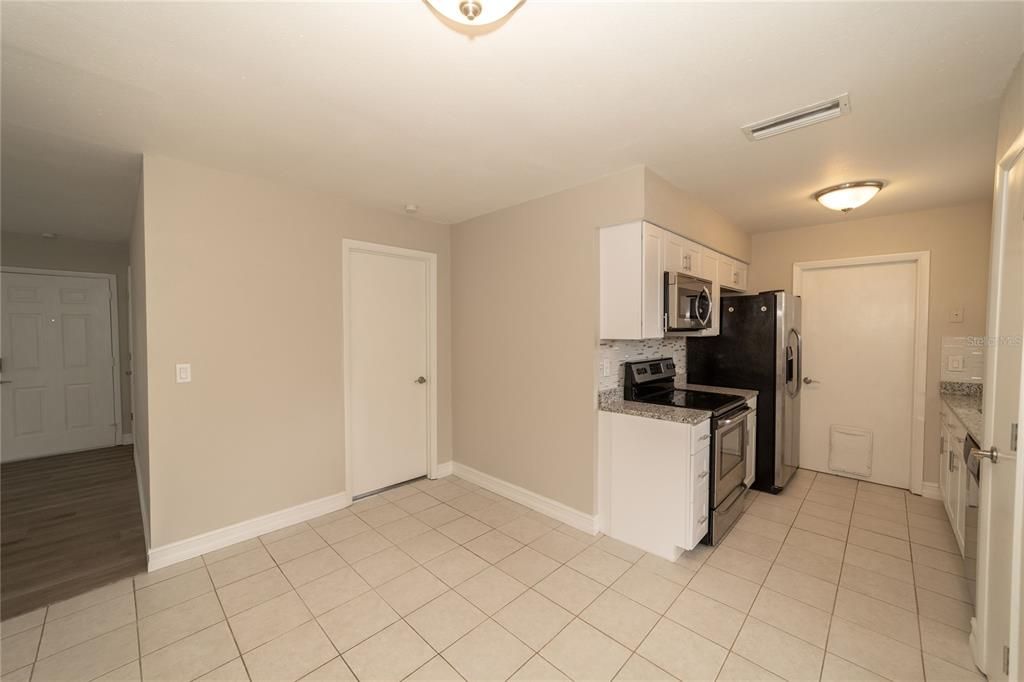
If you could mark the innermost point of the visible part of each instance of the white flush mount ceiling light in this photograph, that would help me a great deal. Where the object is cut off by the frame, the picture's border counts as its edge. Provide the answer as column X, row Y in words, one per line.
column 475, row 12
column 849, row 195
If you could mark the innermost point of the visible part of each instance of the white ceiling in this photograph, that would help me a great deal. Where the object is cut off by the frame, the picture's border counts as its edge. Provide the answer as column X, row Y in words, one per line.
column 384, row 103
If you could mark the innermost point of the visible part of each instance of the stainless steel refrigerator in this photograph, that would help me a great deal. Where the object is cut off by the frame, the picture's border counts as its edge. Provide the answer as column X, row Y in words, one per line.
column 759, row 347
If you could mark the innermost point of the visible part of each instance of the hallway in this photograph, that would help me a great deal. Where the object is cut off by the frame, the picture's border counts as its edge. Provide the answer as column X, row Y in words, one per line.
column 69, row 523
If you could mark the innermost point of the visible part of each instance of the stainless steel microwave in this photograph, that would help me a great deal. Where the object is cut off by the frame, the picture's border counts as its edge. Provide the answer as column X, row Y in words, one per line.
column 688, row 303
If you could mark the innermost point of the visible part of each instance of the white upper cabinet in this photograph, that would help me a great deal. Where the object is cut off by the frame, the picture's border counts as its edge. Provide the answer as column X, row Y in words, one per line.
column 652, row 292
column 732, row 274
column 682, row 255
column 634, row 260
column 632, row 267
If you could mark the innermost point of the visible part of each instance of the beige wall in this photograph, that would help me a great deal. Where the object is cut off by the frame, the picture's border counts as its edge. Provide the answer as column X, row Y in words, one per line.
column 77, row 255
column 524, row 300
column 1011, row 115
column 140, row 375
column 243, row 280
column 958, row 239
column 673, row 209
column 525, row 326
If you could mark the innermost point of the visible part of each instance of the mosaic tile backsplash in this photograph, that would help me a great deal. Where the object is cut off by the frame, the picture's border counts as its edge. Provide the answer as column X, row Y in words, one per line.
column 620, row 351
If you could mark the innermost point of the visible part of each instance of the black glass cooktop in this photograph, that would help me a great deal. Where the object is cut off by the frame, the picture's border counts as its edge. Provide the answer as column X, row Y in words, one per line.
column 717, row 403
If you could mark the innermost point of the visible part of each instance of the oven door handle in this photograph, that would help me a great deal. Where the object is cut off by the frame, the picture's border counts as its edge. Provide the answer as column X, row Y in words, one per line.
column 734, row 496
column 742, row 415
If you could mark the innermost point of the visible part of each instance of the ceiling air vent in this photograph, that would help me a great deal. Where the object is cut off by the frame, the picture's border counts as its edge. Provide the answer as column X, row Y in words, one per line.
column 799, row 118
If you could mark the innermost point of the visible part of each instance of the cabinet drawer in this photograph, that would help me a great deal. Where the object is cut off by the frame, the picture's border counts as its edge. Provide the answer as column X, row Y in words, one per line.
column 700, row 436
column 699, row 515
column 701, row 463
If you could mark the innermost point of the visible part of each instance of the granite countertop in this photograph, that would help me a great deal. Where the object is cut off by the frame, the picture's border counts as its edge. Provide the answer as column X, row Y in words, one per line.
column 611, row 400
column 967, row 409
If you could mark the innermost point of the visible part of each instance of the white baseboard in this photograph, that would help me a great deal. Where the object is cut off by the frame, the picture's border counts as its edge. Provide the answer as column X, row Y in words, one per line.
column 229, row 535
column 587, row 523
column 127, row 439
column 443, row 469
column 931, row 491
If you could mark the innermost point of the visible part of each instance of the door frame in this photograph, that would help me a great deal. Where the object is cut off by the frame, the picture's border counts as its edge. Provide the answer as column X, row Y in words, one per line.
column 922, row 259
column 348, row 247
column 999, row 208
column 114, row 330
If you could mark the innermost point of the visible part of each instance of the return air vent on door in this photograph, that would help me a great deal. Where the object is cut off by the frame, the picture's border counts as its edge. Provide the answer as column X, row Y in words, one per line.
column 798, row 118
column 850, row 450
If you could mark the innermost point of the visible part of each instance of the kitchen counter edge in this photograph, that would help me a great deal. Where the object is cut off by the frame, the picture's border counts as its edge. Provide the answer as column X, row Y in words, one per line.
column 610, row 400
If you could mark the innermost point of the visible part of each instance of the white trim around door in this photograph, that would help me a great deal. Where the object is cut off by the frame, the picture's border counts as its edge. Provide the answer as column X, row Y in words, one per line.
column 923, row 261
column 348, row 247
column 114, row 330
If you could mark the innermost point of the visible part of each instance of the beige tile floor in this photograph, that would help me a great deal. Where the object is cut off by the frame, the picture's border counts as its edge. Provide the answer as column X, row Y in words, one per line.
column 437, row 580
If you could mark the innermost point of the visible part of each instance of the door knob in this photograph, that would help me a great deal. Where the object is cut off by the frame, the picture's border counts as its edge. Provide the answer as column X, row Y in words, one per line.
column 421, row 380
column 808, row 380
column 991, row 453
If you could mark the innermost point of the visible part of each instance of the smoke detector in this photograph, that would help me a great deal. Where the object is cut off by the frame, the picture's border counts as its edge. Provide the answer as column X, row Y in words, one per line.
column 809, row 115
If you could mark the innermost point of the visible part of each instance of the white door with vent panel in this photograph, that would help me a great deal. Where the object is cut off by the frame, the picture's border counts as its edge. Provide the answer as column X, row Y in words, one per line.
column 389, row 365
column 58, row 365
column 860, row 329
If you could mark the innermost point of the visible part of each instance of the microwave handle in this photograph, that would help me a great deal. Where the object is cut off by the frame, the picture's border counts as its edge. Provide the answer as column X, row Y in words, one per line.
column 706, row 294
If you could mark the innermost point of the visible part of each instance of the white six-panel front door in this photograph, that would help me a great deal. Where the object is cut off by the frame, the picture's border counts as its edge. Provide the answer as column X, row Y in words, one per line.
column 388, row 359
column 58, row 365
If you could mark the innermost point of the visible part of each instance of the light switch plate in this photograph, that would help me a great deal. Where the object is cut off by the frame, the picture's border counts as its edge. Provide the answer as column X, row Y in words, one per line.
column 183, row 373
column 955, row 363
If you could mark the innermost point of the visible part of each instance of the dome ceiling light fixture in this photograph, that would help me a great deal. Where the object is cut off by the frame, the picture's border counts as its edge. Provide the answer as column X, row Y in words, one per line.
column 849, row 195
column 475, row 12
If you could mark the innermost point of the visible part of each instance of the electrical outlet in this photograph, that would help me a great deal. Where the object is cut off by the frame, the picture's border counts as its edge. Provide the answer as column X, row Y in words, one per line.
column 606, row 368
column 956, row 315
column 183, row 373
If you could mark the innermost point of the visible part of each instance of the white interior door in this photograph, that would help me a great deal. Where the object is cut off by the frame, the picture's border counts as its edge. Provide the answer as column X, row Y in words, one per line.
column 388, row 363
column 1002, row 404
column 859, row 342
column 58, row 365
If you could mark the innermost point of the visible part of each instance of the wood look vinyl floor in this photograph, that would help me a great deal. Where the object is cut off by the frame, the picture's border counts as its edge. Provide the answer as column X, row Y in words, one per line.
column 68, row 524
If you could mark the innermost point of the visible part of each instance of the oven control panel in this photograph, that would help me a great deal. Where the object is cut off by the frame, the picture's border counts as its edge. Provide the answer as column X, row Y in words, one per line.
column 651, row 370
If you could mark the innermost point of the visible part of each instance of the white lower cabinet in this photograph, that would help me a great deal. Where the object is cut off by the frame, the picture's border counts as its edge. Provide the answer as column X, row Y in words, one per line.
column 654, row 482
column 953, row 473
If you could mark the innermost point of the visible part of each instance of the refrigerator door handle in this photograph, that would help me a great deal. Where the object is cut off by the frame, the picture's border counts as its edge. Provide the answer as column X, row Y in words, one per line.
column 797, row 381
